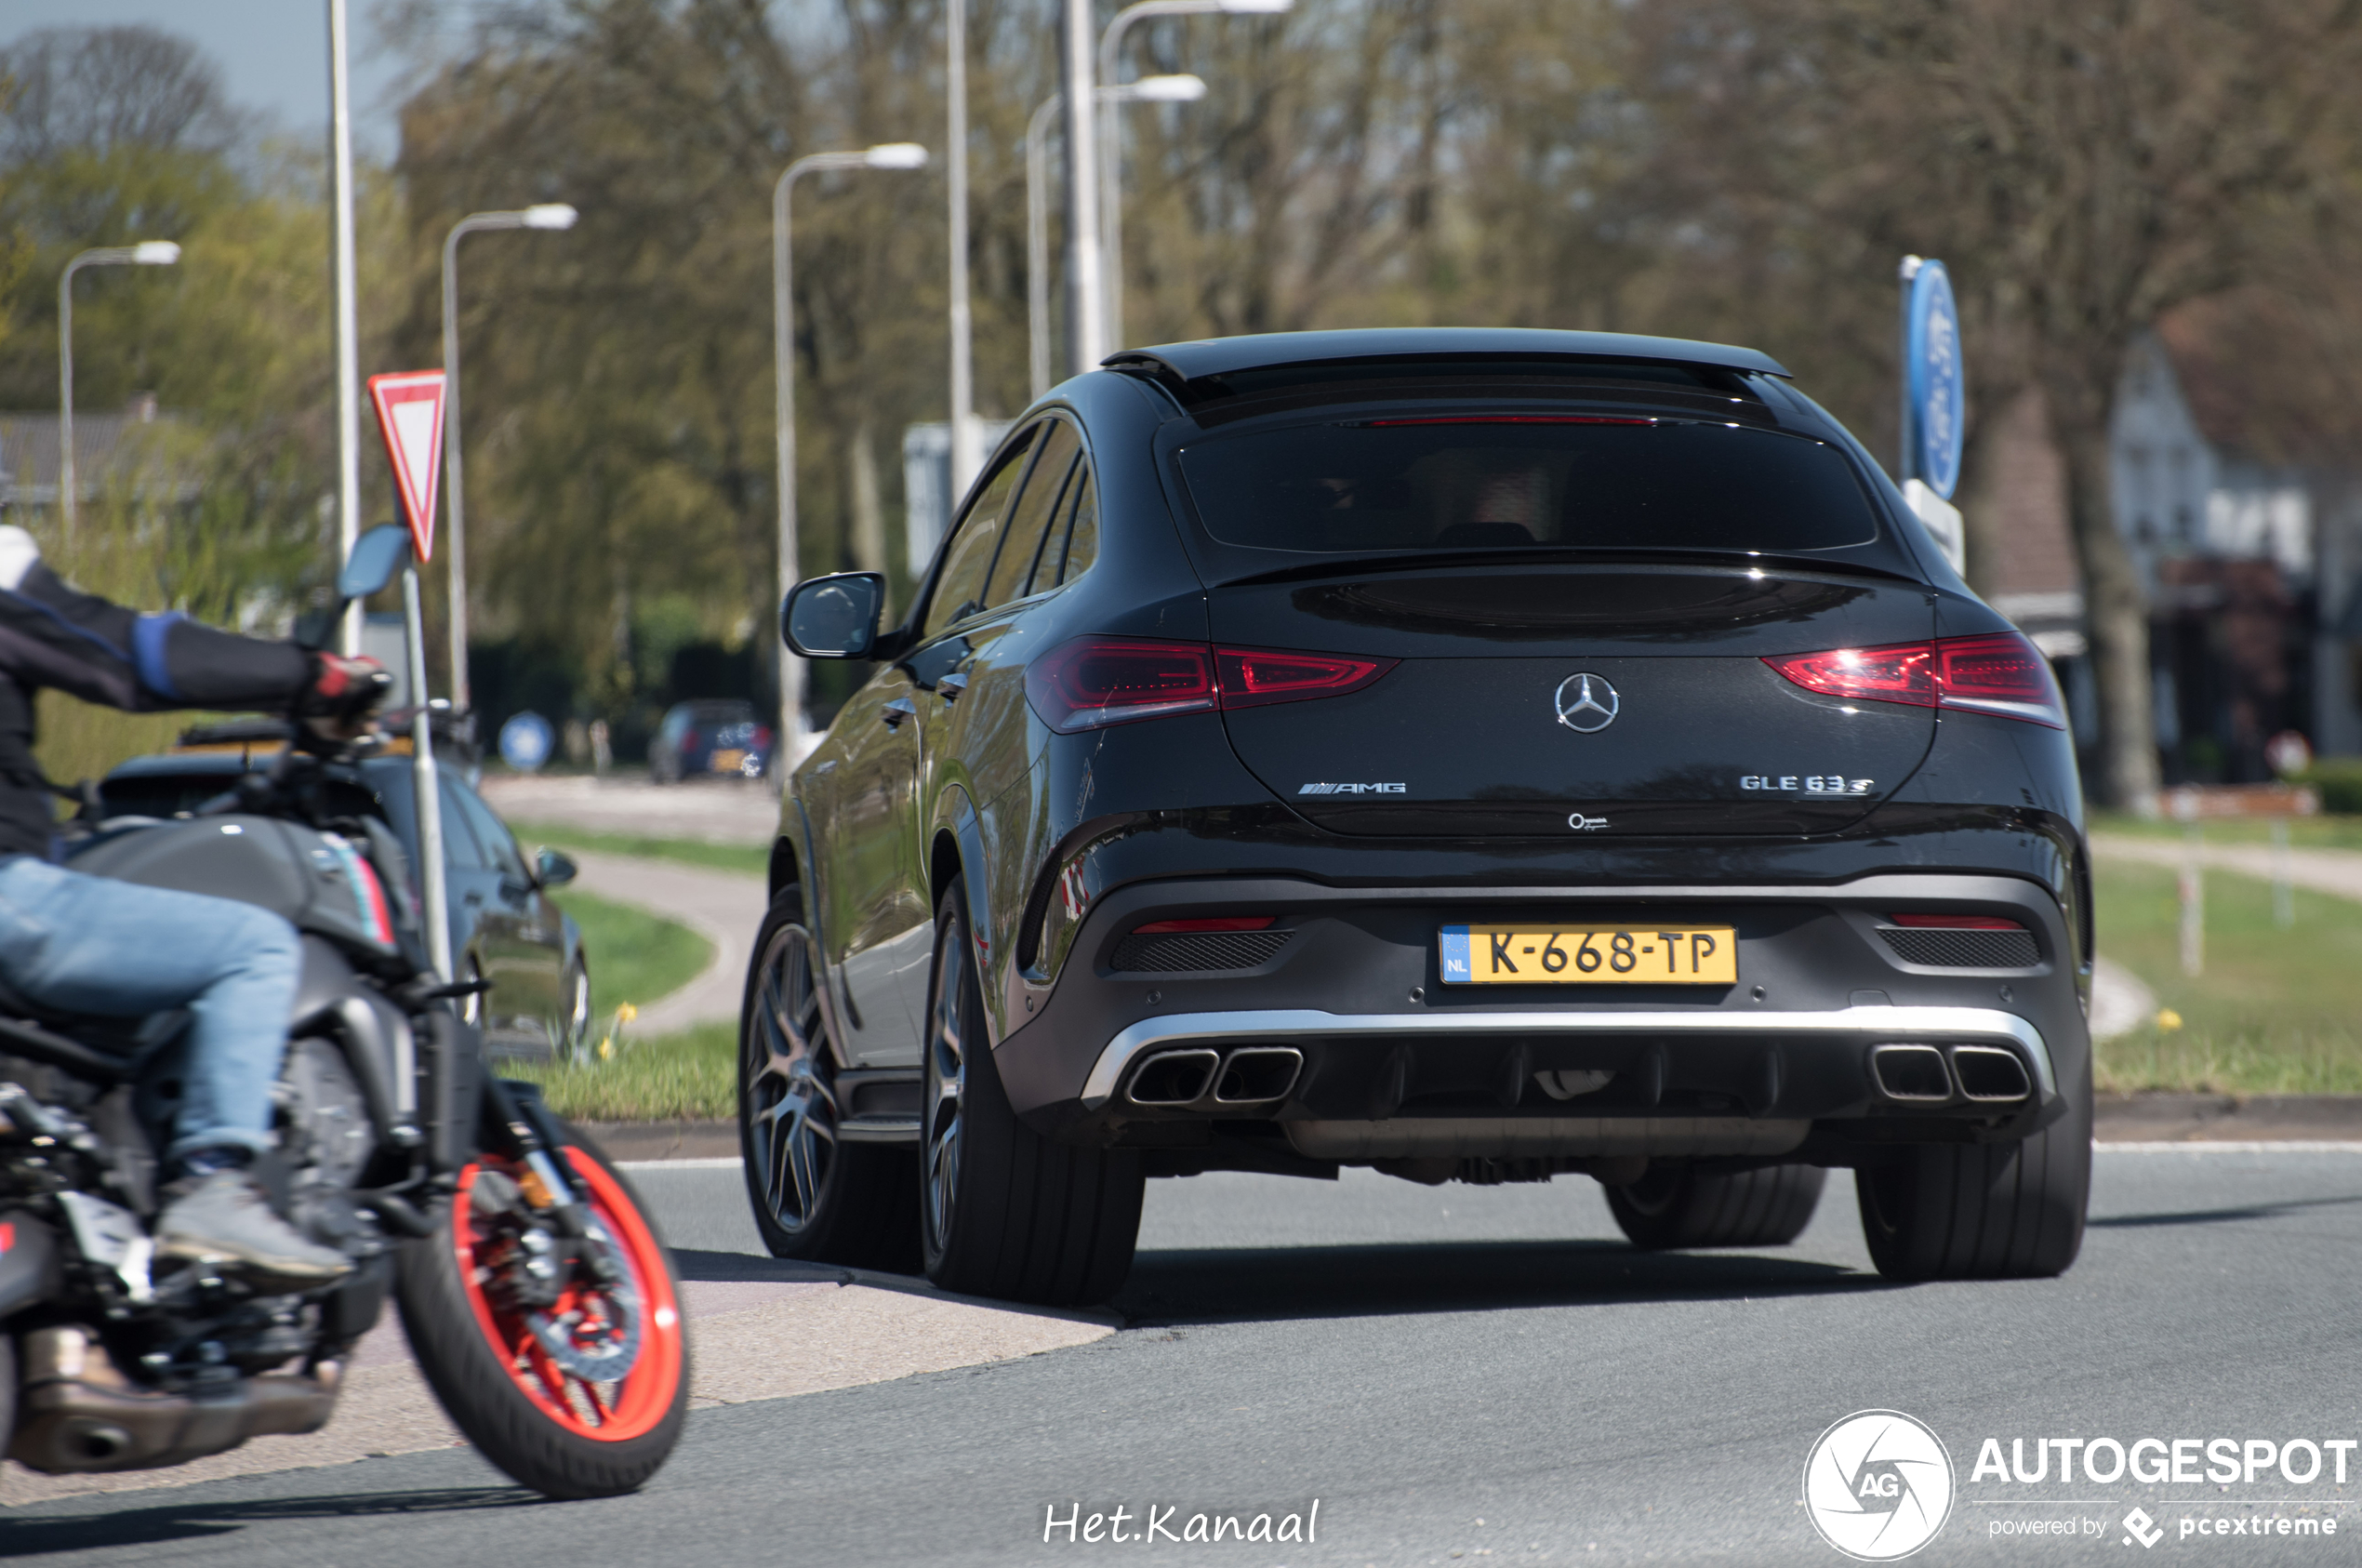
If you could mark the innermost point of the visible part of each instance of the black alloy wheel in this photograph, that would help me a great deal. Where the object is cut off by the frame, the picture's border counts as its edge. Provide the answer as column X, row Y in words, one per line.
column 1006, row 1212
column 814, row 1197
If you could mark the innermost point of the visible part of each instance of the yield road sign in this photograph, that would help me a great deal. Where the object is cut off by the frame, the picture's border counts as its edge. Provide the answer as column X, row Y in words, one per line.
column 409, row 406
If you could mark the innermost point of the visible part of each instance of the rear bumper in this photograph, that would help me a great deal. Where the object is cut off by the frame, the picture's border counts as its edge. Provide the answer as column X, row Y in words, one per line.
column 1367, row 1055
column 1850, row 1031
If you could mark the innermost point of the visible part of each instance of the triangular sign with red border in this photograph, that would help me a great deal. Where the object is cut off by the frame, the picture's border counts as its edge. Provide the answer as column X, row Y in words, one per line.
column 409, row 406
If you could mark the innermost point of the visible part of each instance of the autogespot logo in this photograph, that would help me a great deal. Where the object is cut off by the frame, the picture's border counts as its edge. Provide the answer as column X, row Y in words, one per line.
column 1878, row 1485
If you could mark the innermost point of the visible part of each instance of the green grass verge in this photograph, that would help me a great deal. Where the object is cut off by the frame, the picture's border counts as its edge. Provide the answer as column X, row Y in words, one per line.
column 637, row 957
column 686, row 1077
column 2304, row 832
column 2276, row 1012
column 754, row 859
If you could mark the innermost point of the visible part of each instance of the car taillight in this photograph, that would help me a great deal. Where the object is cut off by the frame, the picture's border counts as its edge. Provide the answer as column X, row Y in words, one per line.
column 1098, row 680
column 1208, row 922
column 2001, row 673
column 1094, row 682
column 1254, row 676
column 1955, row 922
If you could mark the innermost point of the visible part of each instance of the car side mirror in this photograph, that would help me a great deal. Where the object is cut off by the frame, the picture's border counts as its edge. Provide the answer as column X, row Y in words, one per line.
column 834, row 617
column 553, row 869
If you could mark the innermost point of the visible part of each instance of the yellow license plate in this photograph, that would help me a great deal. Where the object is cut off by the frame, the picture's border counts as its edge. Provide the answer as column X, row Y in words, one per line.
column 1590, row 955
column 726, row 762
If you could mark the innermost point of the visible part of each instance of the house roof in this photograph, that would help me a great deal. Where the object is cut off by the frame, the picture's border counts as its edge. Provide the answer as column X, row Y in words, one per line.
column 2262, row 382
column 105, row 445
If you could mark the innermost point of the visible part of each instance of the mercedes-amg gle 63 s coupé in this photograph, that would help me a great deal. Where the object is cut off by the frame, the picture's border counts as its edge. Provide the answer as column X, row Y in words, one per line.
column 1475, row 755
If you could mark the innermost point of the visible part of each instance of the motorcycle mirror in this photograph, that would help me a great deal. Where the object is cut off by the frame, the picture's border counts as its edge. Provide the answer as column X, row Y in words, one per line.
column 377, row 555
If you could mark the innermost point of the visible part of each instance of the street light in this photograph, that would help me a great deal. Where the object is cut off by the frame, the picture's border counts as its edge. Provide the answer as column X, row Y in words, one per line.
column 886, row 155
column 1110, row 147
column 1147, row 89
column 147, row 253
column 545, row 215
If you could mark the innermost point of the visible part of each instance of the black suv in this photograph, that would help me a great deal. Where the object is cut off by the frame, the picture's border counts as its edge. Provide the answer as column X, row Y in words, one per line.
column 1477, row 755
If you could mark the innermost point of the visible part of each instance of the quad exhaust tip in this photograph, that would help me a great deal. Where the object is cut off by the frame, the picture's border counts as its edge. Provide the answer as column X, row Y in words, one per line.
column 1990, row 1075
column 1209, row 1078
column 1932, row 1075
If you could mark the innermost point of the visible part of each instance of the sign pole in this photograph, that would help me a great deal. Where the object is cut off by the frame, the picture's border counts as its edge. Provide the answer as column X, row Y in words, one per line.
column 411, row 409
column 425, row 782
column 1906, row 433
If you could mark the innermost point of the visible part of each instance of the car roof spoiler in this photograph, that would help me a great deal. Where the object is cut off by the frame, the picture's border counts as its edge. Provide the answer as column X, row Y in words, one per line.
column 1211, row 358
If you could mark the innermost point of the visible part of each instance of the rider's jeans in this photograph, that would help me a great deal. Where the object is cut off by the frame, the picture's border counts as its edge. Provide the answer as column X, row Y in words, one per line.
column 84, row 944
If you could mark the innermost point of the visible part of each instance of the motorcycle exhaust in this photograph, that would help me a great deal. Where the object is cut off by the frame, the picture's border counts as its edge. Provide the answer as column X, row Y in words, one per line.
column 76, row 1412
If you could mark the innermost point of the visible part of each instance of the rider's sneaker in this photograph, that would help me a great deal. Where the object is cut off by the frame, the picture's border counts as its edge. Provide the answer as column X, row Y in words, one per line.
column 225, row 1221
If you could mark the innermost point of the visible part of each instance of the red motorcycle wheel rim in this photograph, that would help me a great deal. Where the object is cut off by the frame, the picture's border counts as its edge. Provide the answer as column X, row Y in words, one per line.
column 634, row 1403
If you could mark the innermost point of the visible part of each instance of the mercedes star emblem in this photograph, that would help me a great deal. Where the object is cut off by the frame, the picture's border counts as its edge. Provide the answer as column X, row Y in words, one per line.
column 1586, row 703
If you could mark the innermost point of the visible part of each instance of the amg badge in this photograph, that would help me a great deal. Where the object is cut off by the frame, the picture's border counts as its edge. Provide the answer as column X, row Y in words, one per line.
column 1353, row 790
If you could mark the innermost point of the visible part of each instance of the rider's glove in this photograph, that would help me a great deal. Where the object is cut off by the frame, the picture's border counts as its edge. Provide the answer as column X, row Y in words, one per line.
column 343, row 697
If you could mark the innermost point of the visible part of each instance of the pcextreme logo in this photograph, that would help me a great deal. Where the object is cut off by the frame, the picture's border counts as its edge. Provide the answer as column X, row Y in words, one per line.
column 1878, row 1485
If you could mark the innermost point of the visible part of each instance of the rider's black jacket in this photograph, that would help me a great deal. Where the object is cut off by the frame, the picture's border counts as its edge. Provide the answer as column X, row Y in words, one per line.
column 57, row 636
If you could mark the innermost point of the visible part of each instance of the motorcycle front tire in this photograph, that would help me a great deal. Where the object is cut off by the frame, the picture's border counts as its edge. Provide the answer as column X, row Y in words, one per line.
column 555, row 1432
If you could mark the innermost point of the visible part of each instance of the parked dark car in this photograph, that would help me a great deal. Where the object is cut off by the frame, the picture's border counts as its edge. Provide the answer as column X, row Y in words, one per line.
column 1475, row 755
column 504, row 927
column 721, row 738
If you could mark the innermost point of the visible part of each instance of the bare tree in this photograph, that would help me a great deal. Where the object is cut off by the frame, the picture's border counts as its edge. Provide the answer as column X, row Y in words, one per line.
column 94, row 89
column 2086, row 167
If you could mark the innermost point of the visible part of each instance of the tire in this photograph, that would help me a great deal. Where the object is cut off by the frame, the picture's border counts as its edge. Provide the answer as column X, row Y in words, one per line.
column 1677, row 1205
column 1005, row 1212
column 1982, row 1211
column 814, row 1197
column 537, row 1421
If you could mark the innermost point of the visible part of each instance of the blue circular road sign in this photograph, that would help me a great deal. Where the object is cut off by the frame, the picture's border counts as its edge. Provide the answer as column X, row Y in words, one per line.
column 1931, row 349
column 524, row 741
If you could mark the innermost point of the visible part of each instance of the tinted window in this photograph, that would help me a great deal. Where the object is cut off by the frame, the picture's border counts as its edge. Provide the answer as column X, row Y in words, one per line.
column 1071, row 549
column 959, row 587
column 460, row 846
column 1462, row 483
column 499, row 845
column 1029, row 519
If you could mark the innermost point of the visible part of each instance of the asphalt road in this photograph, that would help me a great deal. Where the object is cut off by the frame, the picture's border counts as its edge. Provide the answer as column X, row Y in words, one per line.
column 1448, row 1371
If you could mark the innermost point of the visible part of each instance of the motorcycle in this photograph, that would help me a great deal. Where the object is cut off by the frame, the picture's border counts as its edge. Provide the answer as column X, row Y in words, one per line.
column 538, row 1301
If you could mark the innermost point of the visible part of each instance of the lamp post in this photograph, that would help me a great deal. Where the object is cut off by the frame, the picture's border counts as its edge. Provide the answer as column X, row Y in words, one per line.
column 887, row 154
column 147, row 253
column 545, row 215
column 346, row 312
column 1148, row 89
column 1111, row 144
column 966, row 458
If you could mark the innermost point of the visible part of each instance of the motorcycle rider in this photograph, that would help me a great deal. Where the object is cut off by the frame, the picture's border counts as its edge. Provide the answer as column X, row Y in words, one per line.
column 90, row 945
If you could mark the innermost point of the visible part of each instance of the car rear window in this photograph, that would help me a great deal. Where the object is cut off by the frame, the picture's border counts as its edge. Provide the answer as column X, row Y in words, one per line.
column 1525, row 481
